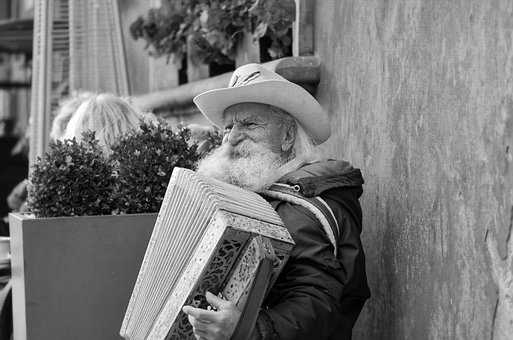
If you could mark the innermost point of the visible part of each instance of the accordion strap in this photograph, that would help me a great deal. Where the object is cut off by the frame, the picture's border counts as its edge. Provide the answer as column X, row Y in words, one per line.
column 315, row 205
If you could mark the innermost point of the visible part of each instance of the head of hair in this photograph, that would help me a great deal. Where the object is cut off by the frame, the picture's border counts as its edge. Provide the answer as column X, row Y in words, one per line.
column 108, row 116
column 67, row 108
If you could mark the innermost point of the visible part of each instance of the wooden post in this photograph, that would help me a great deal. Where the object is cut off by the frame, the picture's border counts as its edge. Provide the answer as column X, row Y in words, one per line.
column 195, row 69
column 303, row 28
column 50, row 73
column 248, row 50
column 40, row 111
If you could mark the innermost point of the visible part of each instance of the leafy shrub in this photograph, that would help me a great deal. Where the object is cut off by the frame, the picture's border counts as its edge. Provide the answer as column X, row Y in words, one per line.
column 72, row 179
column 143, row 162
column 75, row 178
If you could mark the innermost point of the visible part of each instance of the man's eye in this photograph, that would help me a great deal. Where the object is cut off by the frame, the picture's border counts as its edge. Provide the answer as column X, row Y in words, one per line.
column 228, row 127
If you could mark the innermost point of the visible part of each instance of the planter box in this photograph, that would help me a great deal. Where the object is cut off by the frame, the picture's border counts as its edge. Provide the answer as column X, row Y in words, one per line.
column 73, row 276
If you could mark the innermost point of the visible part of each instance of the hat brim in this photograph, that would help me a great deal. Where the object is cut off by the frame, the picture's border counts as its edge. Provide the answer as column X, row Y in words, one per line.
column 285, row 95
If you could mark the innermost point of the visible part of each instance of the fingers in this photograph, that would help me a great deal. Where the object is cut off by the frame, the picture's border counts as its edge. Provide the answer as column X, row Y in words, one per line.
column 198, row 325
column 199, row 314
column 200, row 329
column 200, row 335
column 217, row 302
column 210, row 324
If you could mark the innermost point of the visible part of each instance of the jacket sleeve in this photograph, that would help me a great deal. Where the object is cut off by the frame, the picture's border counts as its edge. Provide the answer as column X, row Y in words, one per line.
column 305, row 302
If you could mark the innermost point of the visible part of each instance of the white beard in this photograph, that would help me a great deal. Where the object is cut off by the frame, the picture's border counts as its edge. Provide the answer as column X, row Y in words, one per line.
column 249, row 165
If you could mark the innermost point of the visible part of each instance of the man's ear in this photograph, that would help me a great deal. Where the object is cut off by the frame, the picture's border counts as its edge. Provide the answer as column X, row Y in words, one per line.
column 288, row 138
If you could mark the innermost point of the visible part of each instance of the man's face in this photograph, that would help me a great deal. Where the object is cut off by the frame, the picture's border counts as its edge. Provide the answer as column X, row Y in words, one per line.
column 252, row 123
column 252, row 151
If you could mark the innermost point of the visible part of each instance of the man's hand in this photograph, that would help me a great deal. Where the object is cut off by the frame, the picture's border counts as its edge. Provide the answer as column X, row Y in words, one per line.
column 210, row 324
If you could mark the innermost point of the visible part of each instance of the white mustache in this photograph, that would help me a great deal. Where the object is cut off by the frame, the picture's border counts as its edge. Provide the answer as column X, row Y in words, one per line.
column 248, row 165
column 244, row 149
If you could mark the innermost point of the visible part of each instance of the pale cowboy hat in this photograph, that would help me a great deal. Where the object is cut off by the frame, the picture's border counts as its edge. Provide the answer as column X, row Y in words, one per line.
column 253, row 83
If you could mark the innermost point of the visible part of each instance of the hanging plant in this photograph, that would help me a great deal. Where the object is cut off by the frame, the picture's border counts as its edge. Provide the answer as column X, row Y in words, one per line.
column 214, row 27
column 163, row 30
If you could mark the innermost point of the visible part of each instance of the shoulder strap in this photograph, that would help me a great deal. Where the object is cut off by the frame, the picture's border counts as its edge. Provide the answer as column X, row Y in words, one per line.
column 315, row 205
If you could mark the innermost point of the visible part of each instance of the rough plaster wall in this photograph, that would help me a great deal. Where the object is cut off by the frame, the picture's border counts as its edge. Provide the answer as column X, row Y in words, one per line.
column 421, row 98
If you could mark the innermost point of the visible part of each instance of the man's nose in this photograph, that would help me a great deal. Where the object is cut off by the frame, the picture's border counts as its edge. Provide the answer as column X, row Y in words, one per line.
column 235, row 136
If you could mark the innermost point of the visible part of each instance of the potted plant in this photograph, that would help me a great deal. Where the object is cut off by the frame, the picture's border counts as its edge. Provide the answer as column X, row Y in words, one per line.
column 74, row 263
column 143, row 162
column 216, row 28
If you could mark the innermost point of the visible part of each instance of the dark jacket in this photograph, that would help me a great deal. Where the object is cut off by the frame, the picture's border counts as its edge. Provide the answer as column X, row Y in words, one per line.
column 318, row 296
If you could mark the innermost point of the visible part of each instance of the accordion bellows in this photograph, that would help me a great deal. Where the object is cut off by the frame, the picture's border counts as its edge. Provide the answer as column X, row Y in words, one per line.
column 209, row 235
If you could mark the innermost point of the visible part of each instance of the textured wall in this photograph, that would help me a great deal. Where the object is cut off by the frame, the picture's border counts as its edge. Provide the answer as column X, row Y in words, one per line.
column 420, row 94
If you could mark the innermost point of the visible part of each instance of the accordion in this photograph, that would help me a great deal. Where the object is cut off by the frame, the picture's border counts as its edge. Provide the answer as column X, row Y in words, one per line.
column 209, row 235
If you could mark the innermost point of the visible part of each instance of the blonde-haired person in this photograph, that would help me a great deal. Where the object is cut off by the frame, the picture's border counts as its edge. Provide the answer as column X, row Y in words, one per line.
column 107, row 115
column 67, row 107
column 66, row 110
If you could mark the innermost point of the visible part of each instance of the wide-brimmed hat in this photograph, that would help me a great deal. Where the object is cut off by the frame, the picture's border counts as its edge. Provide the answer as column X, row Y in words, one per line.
column 253, row 83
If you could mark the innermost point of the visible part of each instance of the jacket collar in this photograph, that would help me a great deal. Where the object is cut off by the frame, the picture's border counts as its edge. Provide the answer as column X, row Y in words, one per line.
column 315, row 178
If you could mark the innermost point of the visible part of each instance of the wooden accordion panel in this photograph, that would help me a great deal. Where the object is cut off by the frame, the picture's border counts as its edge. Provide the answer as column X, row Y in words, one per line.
column 210, row 236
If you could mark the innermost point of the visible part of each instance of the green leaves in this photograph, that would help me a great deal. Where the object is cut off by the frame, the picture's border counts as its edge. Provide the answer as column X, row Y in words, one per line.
column 215, row 26
column 72, row 179
column 75, row 178
column 144, row 162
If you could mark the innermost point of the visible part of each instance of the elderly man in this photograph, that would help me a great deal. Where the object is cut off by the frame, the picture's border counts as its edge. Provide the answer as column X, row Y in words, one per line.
column 270, row 129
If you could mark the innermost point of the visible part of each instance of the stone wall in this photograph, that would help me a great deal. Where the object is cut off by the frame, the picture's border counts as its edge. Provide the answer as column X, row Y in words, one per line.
column 421, row 98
